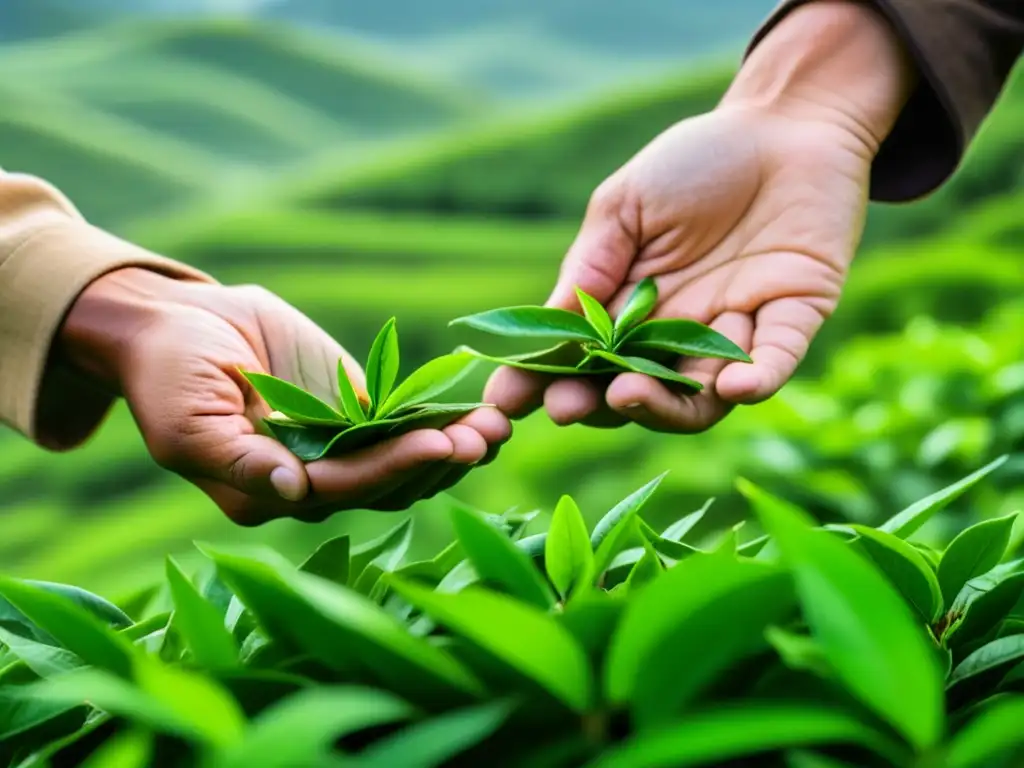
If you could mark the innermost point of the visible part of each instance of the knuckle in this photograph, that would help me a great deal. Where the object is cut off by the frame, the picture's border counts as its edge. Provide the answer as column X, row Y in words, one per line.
column 607, row 197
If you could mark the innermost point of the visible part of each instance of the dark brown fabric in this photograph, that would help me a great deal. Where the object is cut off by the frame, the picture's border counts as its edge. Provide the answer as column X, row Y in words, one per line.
column 966, row 50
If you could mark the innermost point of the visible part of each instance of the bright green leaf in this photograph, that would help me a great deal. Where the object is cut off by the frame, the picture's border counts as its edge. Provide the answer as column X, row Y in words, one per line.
column 382, row 365
column 330, row 560
column 126, row 749
column 532, row 323
column 568, row 558
column 799, row 652
column 348, row 398
column 683, row 337
column 678, row 530
column 386, row 551
column 639, row 305
column 596, row 315
column 21, row 712
column 428, row 381
column 44, row 660
column 562, row 359
column 974, row 551
column 906, row 569
column 294, row 402
column 990, row 734
column 200, row 624
column 646, row 569
column 613, row 531
column 647, row 367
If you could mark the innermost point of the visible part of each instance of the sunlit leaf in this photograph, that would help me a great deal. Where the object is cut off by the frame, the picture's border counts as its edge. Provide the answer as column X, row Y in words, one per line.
column 532, row 323
column 294, row 402
column 989, row 735
column 382, row 365
column 639, row 305
column 596, row 315
column 428, row 381
column 973, row 552
column 568, row 558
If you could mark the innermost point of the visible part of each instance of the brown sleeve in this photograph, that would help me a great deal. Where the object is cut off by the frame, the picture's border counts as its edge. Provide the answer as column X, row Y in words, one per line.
column 965, row 50
column 48, row 255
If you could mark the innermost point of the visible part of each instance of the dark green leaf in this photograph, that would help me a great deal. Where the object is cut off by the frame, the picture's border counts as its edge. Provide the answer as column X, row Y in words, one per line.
column 596, row 315
column 613, row 531
column 906, row 569
column 887, row 662
column 70, row 625
column 999, row 654
column 382, row 365
column 330, row 560
column 348, row 398
column 201, row 625
column 913, row 517
column 973, row 552
column 294, row 402
column 386, row 550
column 432, row 743
column 639, row 305
column 568, row 558
column 986, row 610
column 532, row 323
column 717, row 736
column 990, row 734
column 306, row 724
column 428, row 381
column 528, row 640
column 21, row 712
column 676, row 620
column 647, row 367
column 682, row 337
column 812, row 760
column 496, row 558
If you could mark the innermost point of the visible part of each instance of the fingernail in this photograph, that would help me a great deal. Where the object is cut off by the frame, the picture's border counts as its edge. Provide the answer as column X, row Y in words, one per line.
column 632, row 406
column 286, row 483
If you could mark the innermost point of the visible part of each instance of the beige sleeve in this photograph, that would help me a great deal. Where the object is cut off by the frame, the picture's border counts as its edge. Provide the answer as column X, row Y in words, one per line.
column 48, row 255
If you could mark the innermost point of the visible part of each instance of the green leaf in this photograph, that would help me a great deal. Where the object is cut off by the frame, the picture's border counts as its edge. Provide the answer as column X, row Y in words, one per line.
column 434, row 742
column 496, row 558
column 200, row 624
column 330, row 560
column 532, row 323
column 563, row 359
column 913, row 517
column 70, row 625
column 639, row 305
column 667, row 548
column 342, row 629
column 382, row 365
column 523, row 637
column 102, row 609
column 676, row 620
column 887, row 662
column 568, row 558
column 906, row 569
column 44, row 660
column 596, row 315
column 647, row 367
column 348, row 398
column 591, row 618
column 20, row 712
column 724, row 735
column 798, row 652
column 988, row 735
column 682, row 337
column 386, row 551
column 974, row 551
column 613, row 531
column 999, row 654
column 678, row 530
column 646, row 569
column 985, row 611
column 127, row 749
column 295, row 730
column 428, row 381
column 294, row 402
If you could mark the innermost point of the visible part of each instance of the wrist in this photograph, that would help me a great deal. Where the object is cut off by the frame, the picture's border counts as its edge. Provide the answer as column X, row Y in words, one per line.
column 97, row 334
column 833, row 61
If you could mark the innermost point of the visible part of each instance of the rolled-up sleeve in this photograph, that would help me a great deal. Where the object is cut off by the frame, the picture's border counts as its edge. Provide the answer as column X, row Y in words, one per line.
column 965, row 51
column 48, row 255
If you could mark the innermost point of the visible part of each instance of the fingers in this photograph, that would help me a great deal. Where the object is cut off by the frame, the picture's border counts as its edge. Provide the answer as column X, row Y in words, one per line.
column 515, row 392
column 784, row 329
column 578, row 401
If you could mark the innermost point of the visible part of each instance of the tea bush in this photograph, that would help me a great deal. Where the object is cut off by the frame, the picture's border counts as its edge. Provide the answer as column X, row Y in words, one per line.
column 836, row 645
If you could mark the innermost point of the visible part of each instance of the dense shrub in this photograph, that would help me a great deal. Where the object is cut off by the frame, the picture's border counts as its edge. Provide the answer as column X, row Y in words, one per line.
column 618, row 646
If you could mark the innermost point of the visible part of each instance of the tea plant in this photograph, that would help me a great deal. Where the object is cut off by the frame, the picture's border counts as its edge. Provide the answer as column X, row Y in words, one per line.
column 312, row 429
column 605, row 647
column 595, row 345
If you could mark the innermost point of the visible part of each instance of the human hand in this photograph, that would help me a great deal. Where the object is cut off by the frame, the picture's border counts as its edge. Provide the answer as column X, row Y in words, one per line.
column 173, row 349
column 747, row 217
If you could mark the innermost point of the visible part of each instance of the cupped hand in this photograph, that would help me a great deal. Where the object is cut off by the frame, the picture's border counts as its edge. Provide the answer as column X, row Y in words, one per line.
column 179, row 373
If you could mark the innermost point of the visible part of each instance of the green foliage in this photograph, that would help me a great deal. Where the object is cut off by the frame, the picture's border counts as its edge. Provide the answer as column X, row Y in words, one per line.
column 592, row 345
column 836, row 645
column 313, row 429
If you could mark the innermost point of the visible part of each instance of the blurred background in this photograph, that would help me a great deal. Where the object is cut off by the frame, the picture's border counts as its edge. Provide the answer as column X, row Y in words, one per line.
column 429, row 160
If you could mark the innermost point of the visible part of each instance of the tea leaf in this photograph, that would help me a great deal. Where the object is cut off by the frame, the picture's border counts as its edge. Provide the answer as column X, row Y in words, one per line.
column 973, row 552
column 798, row 651
column 382, row 365
column 348, row 398
column 638, row 306
column 70, row 625
column 591, row 618
column 988, row 735
column 678, row 530
column 563, row 359
column 727, row 734
column 496, row 558
column 999, row 654
column 568, row 558
column 386, row 550
column 434, row 742
column 987, row 610
column 127, row 749
column 500, row 625
column 682, row 337
column 596, row 315
column 305, row 724
column 646, row 569
column 200, row 623
column 102, row 609
column 532, row 323
column 905, row 568
column 294, row 402
column 427, row 381
column 330, row 560
column 647, row 367
column 672, row 622
column 674, row 550
column 21, row 712
column 913, row 517
column 614, row 530
column 887, row 662
column 44, row 660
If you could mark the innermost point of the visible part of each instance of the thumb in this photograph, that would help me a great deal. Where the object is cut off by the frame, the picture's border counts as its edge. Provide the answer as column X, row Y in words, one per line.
column 258, row 466
column 599, row 259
